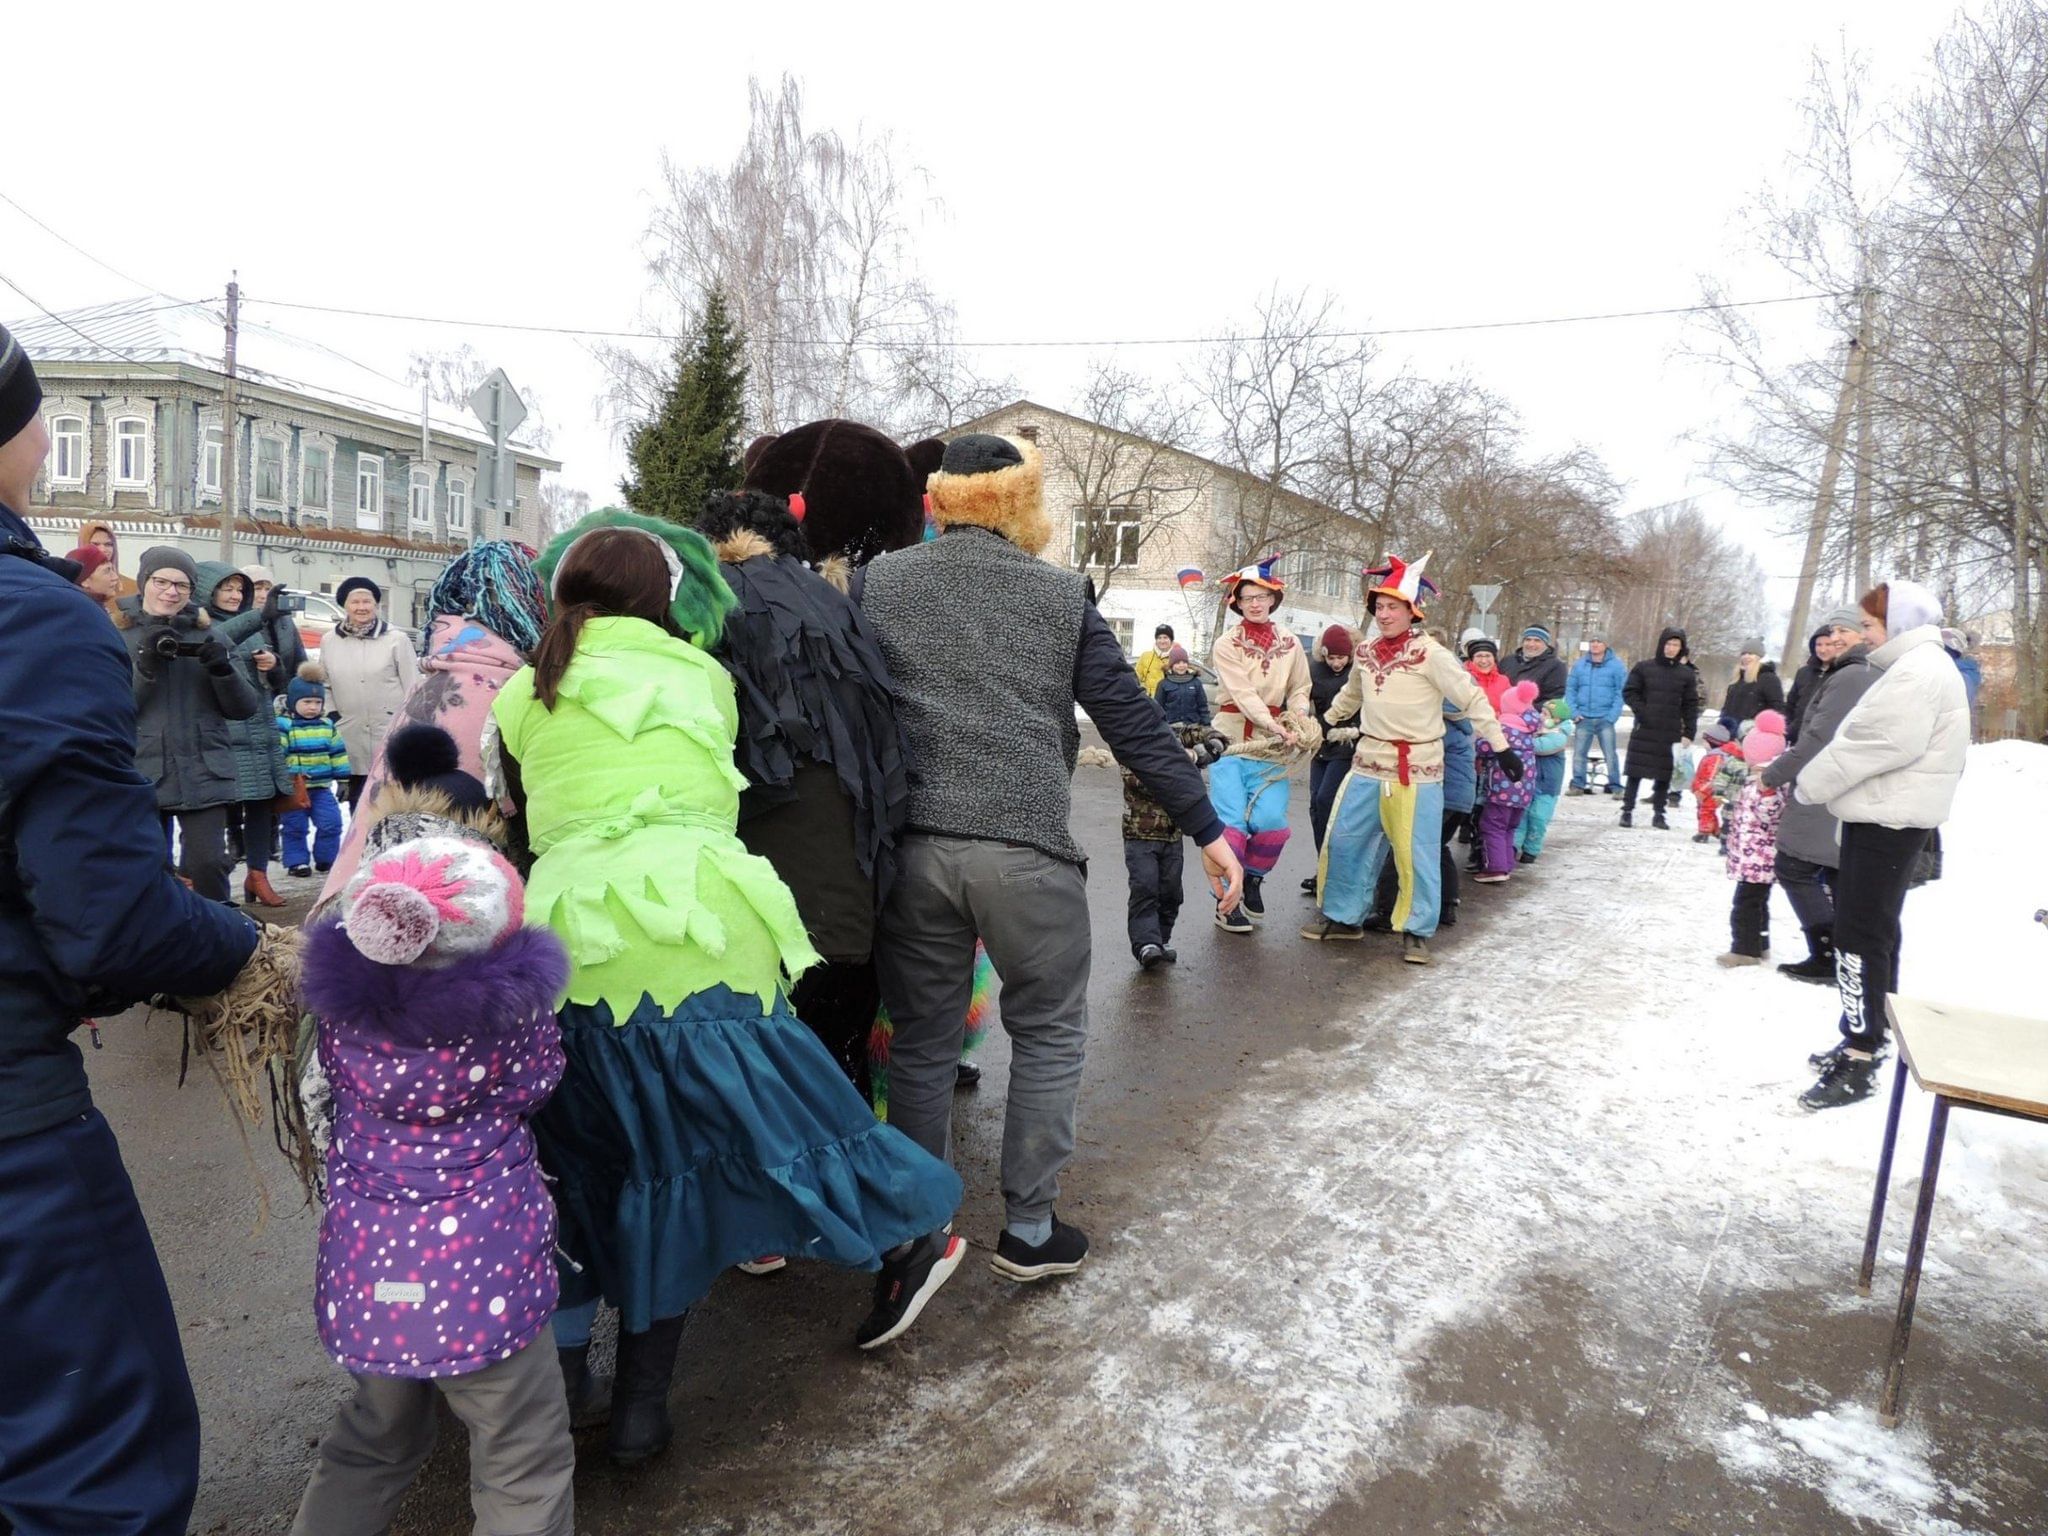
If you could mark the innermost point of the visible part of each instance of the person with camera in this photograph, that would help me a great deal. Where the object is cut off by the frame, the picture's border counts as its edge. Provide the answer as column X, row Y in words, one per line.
column 263, row 784
column 98, row 1427
column 186, row 690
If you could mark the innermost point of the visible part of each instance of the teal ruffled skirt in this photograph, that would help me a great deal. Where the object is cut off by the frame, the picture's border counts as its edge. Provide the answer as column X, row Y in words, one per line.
column 683, row 1143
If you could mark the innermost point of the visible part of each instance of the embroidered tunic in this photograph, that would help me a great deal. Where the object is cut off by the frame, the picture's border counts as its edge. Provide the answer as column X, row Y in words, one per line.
column 1396, row 692
column 1261, row 670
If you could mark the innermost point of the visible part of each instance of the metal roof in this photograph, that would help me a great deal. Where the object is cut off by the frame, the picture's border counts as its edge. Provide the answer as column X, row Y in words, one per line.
column 156, row 330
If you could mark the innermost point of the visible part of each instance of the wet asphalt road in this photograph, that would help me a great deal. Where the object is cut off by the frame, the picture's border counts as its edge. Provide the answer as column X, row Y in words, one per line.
column 1161, row 1391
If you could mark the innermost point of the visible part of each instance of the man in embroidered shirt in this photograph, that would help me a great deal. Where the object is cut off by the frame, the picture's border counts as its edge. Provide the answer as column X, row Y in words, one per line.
column 1392, row 801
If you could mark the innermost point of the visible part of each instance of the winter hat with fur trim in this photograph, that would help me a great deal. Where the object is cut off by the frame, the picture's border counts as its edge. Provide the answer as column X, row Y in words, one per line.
column 997, row 483
column 432, row 900
column 1766, row 739
column 311, row 683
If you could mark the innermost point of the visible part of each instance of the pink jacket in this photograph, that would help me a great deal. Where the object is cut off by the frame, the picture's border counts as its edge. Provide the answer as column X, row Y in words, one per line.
column 464, row 667
column 1752, row 827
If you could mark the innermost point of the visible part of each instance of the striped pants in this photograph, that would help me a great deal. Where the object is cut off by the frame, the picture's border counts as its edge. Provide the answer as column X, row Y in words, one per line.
column 1250, row 798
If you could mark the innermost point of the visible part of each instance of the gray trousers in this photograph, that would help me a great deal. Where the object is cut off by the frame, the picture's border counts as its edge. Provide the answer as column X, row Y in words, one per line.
column 520, row 1455
column 1031, row 911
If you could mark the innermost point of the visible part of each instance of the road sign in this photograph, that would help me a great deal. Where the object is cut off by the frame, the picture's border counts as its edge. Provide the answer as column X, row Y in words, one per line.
column 1484, row 596
column 497, row 405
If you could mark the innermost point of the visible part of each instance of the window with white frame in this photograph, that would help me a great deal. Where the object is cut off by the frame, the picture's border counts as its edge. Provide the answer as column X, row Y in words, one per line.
column 458, row 505
column 1107, row 536
column 313, row 477
column 209, row 460
column 270, row 469
column 421, row 499
column 131, row 451
column 67, row 450
column 369, row 491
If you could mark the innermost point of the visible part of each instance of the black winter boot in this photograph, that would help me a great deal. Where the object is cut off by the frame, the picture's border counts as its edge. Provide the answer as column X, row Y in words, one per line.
column 1819, row 965
column 647, row 1366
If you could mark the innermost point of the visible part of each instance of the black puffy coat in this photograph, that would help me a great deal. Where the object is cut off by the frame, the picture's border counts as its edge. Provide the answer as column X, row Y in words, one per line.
column 1664, row 697
column 1805, row 682
column 1745, row 700
column 1546, row 671
column 1325, row 682
column 182, row 709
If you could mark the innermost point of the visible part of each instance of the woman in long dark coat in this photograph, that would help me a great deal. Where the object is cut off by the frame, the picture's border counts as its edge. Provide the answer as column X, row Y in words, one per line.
column 1663, row 694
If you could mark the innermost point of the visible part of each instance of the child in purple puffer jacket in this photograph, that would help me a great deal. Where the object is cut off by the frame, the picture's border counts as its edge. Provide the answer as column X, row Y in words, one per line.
column 1751, row 830
column 1502, row 800
column 436, row 1271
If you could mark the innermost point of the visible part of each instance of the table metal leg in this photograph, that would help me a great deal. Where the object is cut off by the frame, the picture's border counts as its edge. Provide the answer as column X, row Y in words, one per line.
column 1884, row 1181
column 1916, row 1251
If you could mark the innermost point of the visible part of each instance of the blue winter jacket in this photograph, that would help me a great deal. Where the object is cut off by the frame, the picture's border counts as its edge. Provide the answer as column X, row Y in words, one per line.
column 90, row 920
column 1973, row 678
column 1182, row 700
column 1594, row 689
column 1461, row 764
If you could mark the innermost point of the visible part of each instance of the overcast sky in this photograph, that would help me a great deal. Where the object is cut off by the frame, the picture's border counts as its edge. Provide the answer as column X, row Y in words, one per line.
column 1105, row 171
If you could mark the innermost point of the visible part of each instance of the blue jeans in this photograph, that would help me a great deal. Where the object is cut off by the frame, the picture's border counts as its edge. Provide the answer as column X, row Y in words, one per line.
column 1591, row 731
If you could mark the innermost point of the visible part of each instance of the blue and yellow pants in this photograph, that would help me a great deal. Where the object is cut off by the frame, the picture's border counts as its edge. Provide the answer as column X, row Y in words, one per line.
column 1372, row 821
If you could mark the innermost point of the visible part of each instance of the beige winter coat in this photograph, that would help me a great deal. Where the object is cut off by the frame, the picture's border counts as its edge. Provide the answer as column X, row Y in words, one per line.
column 1897, row 757
column 367, row 680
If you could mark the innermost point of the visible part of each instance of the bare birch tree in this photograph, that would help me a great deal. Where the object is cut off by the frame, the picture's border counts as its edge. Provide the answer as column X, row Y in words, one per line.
column 1133, row 480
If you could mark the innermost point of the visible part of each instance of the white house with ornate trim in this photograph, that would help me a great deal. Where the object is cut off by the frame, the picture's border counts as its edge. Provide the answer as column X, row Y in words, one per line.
column 337, row 475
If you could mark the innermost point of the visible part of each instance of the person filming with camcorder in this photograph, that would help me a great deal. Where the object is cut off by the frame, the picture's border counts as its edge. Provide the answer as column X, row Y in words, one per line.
column 187, row 690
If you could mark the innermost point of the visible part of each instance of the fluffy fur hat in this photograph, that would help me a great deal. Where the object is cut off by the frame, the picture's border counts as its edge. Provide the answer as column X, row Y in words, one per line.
column 860, row 493
column 434, row 899
column 997, row 483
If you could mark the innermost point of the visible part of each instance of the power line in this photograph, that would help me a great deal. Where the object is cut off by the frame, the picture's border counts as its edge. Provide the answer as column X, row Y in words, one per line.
column 1132, row 341
column 133, row 282
column 87, row 336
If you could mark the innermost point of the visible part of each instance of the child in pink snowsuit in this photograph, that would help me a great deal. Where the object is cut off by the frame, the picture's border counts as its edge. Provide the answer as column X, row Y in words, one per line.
column 1752, row 831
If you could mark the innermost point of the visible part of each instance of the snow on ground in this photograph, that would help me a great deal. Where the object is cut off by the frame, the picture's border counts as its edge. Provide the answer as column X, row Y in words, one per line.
column 1570, row 1152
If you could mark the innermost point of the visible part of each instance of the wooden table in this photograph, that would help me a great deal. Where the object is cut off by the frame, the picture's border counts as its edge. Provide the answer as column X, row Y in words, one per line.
column 1967, row 1059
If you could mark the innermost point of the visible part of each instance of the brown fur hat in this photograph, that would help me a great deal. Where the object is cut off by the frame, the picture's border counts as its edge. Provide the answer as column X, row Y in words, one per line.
column 862, row 495
column 993, row 482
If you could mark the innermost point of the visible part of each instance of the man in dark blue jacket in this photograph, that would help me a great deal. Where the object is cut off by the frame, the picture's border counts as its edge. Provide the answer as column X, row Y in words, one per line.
column 98, row 1428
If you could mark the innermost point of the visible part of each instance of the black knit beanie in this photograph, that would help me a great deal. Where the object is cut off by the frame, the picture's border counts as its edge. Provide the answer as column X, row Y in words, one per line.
column 20, row 395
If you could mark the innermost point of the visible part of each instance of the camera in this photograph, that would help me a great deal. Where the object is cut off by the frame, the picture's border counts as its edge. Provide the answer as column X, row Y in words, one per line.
column 165, row 642
column 288, row 602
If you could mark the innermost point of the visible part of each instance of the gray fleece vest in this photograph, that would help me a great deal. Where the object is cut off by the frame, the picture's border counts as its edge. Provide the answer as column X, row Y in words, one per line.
column 981, row 640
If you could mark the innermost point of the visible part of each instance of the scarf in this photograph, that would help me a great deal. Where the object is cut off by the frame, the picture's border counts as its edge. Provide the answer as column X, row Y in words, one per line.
column 369, row 631
column 1259, row 636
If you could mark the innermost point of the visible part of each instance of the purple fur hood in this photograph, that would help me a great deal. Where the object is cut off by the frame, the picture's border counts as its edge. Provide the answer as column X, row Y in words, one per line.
column 437, row 1246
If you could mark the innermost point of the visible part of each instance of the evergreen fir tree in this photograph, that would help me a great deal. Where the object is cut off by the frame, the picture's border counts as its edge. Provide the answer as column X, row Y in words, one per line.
column 692, row 446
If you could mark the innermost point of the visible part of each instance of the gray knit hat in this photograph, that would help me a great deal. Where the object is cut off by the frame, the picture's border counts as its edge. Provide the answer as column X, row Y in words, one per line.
column 1754, row 646
column 1850, row 619
column 20, row 395
column 159, row 557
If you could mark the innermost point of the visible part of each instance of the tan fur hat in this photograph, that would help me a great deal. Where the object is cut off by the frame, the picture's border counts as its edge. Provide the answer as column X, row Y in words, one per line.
column 993, row 482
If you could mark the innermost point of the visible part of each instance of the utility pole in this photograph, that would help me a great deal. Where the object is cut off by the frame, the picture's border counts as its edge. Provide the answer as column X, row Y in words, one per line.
column 227, row 426
column 1830, row 476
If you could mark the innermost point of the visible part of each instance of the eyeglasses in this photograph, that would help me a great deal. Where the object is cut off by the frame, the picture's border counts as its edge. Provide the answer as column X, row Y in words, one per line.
column 159, row 584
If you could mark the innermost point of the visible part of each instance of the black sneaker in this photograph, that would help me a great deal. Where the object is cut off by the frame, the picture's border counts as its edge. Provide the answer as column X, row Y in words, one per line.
column 1308, row 885
column 1151, row 955
column 1703, row 837
column 1324, row 929
column 1448, row 918
column 1060, row 1254
column 1525, row 857
column 1840, row 1047
column 1169, row 954
column 1234, row 921
column 906, row 1284
column 1377, row 922
column 1254, row 903
column 1660, row 823
column 1845, row 1080
column 967, row 1075
column 300, row 871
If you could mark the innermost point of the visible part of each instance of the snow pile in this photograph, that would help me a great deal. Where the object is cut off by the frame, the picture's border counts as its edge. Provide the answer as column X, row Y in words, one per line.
column 1866, row 1471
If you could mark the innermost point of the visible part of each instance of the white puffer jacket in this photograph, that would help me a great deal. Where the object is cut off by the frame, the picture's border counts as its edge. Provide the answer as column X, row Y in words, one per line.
column 1896, row 759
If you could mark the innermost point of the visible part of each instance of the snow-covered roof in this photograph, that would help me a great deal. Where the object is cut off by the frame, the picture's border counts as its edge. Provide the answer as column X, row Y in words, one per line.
column 157, row 330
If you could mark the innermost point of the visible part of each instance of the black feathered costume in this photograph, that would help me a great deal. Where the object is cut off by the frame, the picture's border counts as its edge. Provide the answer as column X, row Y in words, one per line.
column 821, row 752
